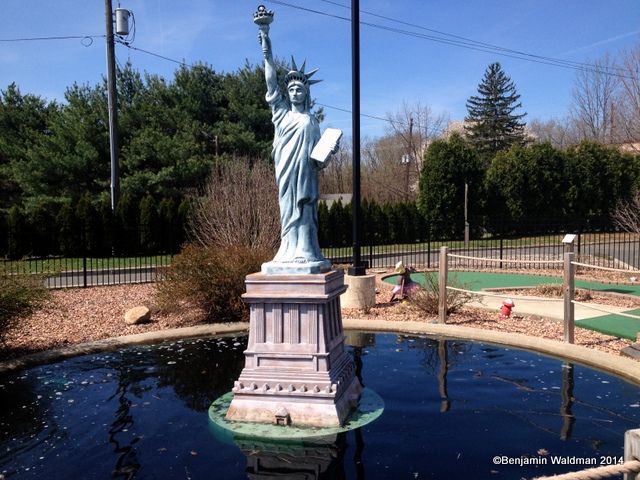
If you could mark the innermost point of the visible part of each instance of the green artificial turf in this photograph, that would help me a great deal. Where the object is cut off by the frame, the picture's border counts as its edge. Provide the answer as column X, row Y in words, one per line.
column 615, row 325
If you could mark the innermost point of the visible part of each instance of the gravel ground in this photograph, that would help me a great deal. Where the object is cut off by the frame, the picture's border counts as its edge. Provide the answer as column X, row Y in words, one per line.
column 82, row 315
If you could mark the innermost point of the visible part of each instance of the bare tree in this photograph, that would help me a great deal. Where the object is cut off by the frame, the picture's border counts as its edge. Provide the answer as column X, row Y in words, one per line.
column 594, row 98
column 384, row 177
column 239, row 207
column 560, row 133
column 627, row 214
column 416, row 125
column 628, row 104
column 336, row 177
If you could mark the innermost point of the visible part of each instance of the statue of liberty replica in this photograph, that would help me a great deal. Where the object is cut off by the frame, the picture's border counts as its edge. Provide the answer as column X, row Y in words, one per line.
column 296, row 371
column 297, row 132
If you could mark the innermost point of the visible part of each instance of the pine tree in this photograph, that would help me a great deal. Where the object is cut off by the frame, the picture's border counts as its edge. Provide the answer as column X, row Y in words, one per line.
column 149, row 221
column 88, row 223
column 492, row 124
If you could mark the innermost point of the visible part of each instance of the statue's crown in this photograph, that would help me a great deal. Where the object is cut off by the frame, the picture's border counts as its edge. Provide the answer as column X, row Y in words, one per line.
column 299, row 75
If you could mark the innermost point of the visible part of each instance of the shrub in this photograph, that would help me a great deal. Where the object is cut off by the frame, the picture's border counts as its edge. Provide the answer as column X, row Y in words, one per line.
column 20, row 295
column 210, row 278
column 427, row 298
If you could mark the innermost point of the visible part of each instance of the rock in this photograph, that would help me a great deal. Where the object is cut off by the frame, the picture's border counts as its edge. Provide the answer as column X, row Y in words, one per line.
column 137, row 315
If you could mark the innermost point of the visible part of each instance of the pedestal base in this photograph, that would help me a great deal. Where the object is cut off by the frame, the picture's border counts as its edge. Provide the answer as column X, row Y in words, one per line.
column 361, row 293
column 292, row 268
column 296, row 369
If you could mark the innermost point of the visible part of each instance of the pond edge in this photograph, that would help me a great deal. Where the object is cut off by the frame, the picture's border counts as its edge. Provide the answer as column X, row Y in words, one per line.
column 623, row 367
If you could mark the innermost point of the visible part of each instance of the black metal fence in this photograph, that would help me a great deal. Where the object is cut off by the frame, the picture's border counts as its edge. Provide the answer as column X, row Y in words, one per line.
column 125, row 255
column 620, row 250
column 607, row 249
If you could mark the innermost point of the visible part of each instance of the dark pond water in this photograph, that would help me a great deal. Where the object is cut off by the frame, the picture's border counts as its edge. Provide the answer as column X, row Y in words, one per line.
column 450, row 408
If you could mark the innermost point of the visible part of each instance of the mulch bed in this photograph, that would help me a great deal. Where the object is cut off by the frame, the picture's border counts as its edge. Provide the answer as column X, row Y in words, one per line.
column 81, row 315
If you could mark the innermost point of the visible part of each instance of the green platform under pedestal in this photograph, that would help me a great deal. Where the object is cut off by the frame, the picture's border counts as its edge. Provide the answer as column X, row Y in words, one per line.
column 369, row 408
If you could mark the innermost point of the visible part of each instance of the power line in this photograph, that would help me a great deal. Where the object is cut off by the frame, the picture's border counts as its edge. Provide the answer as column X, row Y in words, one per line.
column 469, row 44
column 185, row 64
column 37, row 39
column 374, row 117
column 471, row 41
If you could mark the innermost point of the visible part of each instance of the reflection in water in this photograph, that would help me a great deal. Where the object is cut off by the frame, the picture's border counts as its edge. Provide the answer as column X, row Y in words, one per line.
column 443, row 357
column 127, row 461
column 321, row 459
column 359, row 341
column 314, row 461
column 200, row 375
column 139, row 413
column 567, row 401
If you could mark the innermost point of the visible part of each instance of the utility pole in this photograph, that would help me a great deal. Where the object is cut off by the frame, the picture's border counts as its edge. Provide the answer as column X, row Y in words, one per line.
column 112, row 96
column 357, row 269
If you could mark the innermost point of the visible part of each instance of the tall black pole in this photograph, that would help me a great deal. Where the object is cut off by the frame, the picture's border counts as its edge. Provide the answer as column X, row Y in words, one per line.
column 113, row 106
column 357, row 268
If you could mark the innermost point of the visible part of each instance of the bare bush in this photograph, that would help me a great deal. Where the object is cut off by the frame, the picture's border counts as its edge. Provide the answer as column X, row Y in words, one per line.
column 211, row 279
column 556, row 290
column 627, row 214
column 239, row 207
column 427, row 298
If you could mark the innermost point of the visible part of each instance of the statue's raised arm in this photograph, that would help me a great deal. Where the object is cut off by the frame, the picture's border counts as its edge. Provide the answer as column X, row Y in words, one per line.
column 263, row 19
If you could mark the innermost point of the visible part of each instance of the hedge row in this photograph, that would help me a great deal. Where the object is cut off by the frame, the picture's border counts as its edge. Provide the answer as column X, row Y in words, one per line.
column 90, row 228
column 381, row 224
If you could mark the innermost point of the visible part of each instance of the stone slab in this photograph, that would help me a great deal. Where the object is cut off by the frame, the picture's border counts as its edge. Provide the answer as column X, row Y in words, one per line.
column 632, row 351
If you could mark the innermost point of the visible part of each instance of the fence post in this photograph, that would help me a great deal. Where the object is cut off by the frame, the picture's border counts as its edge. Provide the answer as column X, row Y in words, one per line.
column 631, row 450
column 569, row 289
column 501, row 252
column 443, row 270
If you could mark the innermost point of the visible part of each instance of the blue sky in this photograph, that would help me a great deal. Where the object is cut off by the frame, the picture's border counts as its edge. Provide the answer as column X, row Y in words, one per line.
column 395, row 67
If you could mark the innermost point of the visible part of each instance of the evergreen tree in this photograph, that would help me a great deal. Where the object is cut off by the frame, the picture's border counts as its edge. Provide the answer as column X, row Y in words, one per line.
column 67, row 226
column 88, row 223
column 16, row 229
column 448, row 165
column 4, row 234
column 335, row 217
column 184, row 210
column 107, row 223
column 126, row 219
column 168, row 213
column 149, row 221
column 40, row 219
column 492, row 124
column 324, row 228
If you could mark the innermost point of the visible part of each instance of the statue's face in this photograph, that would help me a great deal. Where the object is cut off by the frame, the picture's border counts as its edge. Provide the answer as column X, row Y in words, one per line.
column 297, row 93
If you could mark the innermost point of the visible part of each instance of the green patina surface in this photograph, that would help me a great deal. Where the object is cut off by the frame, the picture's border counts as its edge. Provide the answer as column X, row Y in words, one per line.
column 614, row 325
column 370, row 407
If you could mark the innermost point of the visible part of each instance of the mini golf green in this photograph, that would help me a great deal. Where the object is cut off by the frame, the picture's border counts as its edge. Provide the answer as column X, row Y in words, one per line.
column 614, row 325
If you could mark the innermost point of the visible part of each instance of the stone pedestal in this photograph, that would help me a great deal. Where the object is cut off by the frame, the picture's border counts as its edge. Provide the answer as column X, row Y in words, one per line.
column 296, row 369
